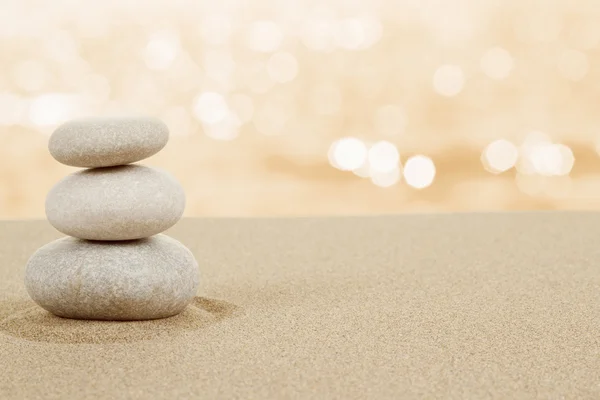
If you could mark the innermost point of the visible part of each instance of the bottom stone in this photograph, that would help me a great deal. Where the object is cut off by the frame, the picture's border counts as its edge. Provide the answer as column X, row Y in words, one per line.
column 150, row 278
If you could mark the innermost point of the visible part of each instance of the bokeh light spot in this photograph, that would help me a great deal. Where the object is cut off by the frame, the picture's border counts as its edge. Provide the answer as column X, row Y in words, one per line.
column 497, row 63
column 448, row 80
column 282, row 67
column 210, row 107
column 373, row 31
column 226, row 129
column 551, row 159
column 264, row 36
column 383, row 157
column 573, row 65
column 348, row 153
column 161, row 50
column 350, row 34
column 419, row 171
column 50, row 109
column 387, row 178
column 500, row 156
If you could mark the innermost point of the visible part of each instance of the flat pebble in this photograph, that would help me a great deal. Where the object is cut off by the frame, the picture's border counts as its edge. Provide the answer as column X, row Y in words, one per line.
column 118, row 203
column 142, row 279
column 107, row 142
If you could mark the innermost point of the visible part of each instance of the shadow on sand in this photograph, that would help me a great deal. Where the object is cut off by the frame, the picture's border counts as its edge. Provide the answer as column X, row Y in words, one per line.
column 27, row 321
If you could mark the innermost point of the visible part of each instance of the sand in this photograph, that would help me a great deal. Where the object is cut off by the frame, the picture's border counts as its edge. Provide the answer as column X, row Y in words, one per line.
column 473, row 306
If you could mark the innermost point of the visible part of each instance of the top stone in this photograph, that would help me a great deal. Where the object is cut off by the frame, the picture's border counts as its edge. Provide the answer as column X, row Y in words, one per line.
column 107, row 142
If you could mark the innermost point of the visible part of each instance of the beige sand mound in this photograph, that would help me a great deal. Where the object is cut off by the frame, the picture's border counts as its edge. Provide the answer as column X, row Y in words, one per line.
column 36, row 324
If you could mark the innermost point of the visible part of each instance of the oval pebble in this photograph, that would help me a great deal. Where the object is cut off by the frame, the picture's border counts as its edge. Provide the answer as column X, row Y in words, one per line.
column 142, row 279
column 118, row 203
column 107, row 142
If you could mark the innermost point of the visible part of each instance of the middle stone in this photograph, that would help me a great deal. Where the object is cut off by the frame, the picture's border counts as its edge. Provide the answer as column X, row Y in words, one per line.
column 117, row 203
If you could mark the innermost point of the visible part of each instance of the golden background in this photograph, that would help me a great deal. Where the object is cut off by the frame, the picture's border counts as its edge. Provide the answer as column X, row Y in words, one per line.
column 280, row 107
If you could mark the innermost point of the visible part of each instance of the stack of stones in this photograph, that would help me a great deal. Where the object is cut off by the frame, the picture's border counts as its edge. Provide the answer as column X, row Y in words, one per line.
column 115, row 264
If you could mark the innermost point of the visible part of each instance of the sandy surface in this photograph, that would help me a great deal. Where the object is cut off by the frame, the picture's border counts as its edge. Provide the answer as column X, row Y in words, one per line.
column 471, row 306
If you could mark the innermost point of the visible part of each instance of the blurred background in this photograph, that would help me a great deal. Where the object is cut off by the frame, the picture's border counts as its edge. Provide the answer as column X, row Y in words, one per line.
column 305, row 107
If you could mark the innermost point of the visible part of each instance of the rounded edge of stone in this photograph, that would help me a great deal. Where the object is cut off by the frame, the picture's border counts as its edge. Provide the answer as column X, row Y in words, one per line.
column 32, row 291
column 58, row 224
column 79, row 124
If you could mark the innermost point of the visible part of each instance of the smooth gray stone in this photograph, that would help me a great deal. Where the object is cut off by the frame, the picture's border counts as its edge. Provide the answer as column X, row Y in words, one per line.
column 117, row 203
column 107, row 142
column 142, row 279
